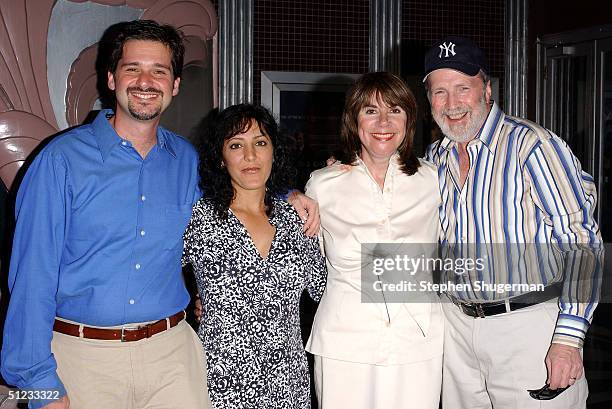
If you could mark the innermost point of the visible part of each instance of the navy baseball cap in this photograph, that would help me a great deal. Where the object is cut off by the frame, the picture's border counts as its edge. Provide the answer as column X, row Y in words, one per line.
column 457, row 53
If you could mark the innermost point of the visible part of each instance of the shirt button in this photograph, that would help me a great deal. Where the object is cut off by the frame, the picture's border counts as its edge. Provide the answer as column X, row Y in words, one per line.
column 137, row 266
column 132, row 301
column 143, row 198
column 142, row 233
column 124, row 143
column 462, row 238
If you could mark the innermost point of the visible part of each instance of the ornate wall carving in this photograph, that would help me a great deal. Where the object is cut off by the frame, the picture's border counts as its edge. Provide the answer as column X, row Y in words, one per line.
column 26, row 113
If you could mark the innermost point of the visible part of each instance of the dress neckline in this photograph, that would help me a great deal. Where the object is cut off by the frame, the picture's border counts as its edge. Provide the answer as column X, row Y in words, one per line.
column 273, row 221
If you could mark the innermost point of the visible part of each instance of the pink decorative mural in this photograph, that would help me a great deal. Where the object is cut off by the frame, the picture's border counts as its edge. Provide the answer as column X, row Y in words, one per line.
column 26, row 113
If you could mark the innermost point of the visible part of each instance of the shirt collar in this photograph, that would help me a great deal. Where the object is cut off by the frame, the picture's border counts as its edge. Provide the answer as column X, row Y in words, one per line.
column 104, row 133
column 488, row 134
column 107, row 138
column 394, row 161
column 165, row 142
column 392, row 170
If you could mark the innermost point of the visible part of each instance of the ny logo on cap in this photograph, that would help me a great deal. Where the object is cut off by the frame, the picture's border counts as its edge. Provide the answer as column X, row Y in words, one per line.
column 444, row 48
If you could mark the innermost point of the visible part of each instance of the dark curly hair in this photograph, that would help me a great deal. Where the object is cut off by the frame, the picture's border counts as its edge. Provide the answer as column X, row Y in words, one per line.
column 394, row 92
column 215, row 181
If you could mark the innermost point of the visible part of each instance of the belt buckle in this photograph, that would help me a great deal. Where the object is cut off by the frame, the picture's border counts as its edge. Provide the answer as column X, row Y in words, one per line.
column 123, row 334
column 476, row 307
column 479, row 310
column 123, row 329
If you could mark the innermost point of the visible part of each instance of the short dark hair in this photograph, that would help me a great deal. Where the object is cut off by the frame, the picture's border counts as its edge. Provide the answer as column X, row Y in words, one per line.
column 394, row 92
column 118, row 34
column 215, row 180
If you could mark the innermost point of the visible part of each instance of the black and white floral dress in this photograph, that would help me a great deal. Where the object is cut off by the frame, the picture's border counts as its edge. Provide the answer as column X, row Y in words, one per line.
column 251, row 325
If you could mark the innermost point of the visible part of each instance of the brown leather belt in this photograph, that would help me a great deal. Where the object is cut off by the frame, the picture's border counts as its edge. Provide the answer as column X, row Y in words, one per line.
column 125, row 334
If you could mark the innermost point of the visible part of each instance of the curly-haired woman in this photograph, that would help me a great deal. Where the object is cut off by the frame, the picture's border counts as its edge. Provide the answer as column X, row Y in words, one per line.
column 252, row 261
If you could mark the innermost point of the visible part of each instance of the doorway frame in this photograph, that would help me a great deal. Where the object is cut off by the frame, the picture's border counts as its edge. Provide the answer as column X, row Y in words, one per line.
column 595, row 41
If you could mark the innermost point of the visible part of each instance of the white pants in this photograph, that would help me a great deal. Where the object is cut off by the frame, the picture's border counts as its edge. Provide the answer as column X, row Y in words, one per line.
column 166, row 371
column 350, row 385
column 491, row 362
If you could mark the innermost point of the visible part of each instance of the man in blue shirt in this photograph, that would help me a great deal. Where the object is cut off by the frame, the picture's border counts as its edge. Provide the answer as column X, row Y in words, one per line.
column 97, row 295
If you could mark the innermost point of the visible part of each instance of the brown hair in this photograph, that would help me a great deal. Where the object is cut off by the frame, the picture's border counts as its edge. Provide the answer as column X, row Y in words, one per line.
column 393, row 92
column 118, row 34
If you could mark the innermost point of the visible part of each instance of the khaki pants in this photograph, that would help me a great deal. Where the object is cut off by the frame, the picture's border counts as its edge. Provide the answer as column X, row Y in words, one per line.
column 166, row 371
column 491, row 362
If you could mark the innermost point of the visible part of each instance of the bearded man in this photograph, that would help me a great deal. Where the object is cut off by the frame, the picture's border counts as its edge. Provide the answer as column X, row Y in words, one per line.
column 514, row 195
column 96, row 316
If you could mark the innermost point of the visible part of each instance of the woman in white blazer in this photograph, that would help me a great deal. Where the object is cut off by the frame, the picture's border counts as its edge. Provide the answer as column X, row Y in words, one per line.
column 376, row 354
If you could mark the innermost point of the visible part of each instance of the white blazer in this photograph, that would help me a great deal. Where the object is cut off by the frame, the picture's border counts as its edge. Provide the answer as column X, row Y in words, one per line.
column 354, row 210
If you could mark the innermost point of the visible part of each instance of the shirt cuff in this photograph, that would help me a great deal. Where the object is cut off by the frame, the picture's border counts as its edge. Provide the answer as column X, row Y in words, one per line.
column 50, row 387
column 570, row 330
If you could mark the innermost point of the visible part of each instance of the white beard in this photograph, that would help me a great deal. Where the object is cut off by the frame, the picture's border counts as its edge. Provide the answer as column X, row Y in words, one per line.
column 468, row 132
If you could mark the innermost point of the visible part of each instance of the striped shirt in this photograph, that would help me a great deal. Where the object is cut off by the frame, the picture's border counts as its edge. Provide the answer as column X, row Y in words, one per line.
column 524, row 186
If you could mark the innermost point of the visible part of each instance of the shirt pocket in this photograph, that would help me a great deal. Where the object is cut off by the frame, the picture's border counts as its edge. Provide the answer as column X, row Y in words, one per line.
column 174, row 223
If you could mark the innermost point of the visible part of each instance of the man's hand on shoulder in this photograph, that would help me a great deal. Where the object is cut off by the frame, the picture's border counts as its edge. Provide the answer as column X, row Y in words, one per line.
column 564, row 365
column 308, row 210
column 198, row 310
column 61, row 403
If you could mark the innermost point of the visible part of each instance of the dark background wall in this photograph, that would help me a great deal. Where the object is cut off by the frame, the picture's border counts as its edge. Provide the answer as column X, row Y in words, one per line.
column 555, row 16
column 426, row 21
column 332, row 35
column 313, row 36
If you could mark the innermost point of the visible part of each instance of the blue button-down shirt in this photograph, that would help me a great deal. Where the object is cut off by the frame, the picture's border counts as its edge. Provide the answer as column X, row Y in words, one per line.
column 98, row 240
